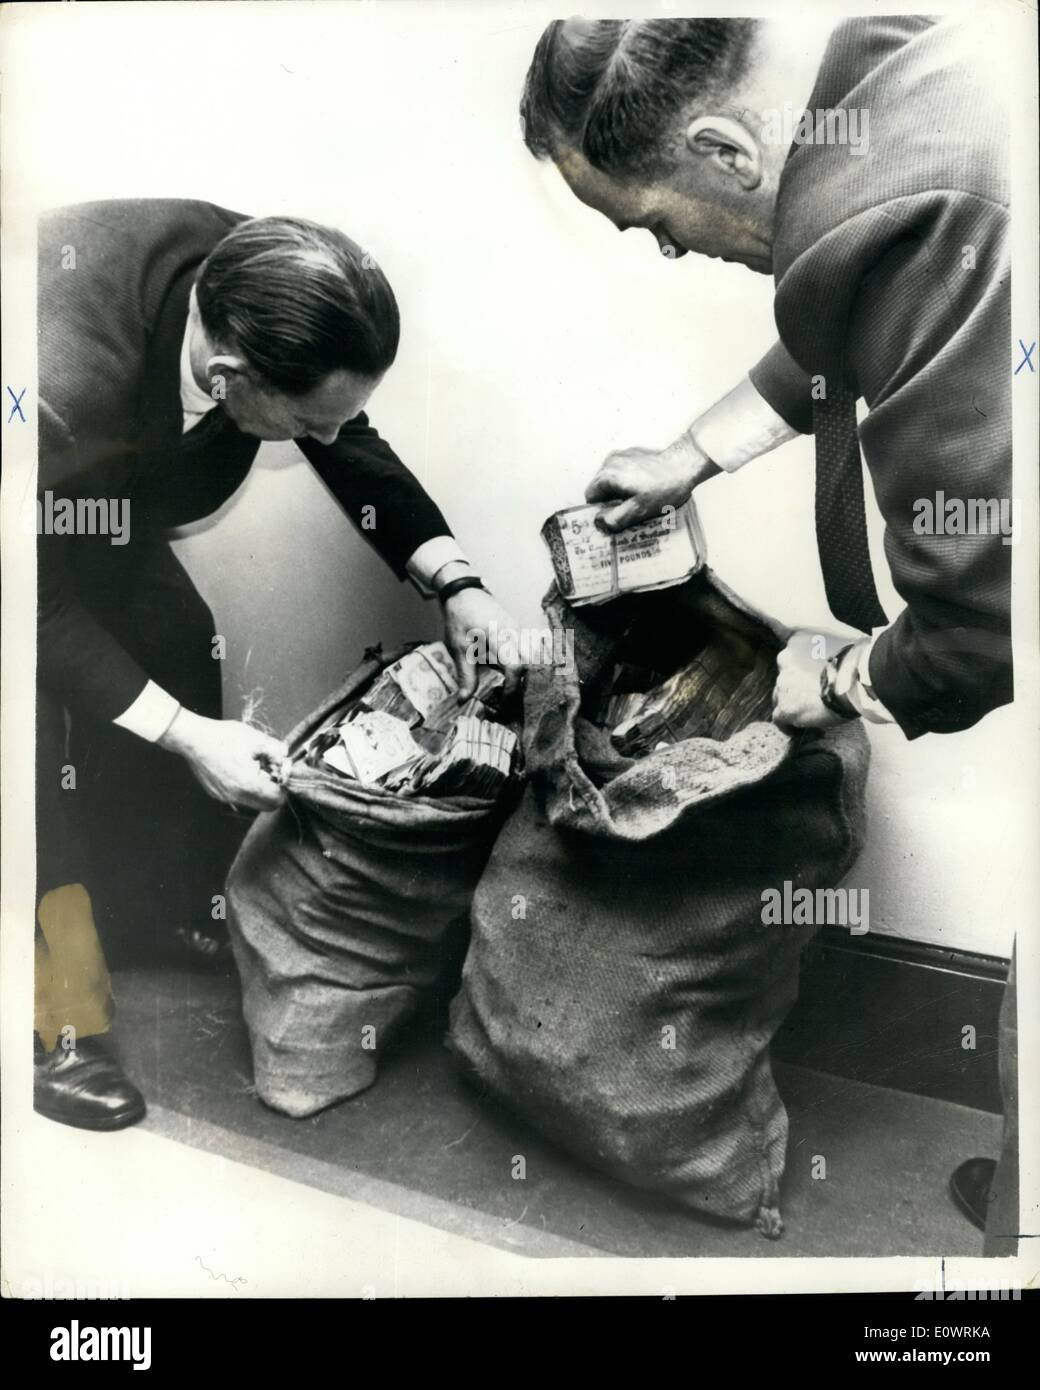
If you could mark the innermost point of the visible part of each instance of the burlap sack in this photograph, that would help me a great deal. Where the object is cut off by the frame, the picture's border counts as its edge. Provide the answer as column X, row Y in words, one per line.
column 337, row 905
column 621, row 990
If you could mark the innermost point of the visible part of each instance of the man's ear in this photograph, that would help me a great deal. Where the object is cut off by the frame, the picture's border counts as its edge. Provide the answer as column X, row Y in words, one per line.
column 221, row 370
column 729, row 146
column 226, row 363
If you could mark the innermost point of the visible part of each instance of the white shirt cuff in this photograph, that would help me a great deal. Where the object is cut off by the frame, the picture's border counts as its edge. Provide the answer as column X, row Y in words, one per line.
column 431, row 557
column 856, row 675
column 739, row 428
column 150, row 715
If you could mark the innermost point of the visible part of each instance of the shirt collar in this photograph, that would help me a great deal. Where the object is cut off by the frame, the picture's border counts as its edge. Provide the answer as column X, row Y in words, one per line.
column 194, row 401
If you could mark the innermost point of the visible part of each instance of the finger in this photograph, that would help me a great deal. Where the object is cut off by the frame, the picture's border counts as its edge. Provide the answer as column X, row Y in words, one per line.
column 792, row 655
column 618, row 517
column 783, row 716
column 467, row 677
column 274, row 749
column 512, row 675
column 604, row 488
column 260, row 782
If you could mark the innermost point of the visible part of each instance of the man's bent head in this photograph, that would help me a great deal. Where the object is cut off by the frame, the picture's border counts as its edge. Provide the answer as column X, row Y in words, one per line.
column 647, row 121
column 299, row 324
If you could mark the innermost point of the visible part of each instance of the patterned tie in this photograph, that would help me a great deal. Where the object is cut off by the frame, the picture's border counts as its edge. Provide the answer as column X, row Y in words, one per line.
column 841, row 520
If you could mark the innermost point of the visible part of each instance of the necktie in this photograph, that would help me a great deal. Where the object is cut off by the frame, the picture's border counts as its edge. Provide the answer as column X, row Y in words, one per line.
column 841, row 519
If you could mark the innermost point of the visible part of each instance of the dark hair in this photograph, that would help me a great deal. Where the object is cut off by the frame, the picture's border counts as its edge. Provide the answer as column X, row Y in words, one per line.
column 299, row 301
column 609, row 88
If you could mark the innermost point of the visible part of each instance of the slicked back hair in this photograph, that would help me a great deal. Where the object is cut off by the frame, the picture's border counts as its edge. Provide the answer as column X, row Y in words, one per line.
column 611, row 88
column 299, row 301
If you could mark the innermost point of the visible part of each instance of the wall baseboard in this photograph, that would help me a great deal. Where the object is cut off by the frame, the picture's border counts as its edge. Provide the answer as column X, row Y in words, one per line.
column 892, row 1013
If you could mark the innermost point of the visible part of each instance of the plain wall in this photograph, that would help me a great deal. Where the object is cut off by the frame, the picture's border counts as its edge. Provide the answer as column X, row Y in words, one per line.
column 535, row 340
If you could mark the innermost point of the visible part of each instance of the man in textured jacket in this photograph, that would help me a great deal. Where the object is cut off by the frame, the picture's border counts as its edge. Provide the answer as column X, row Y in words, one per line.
column 864, row 166
column 174, row 337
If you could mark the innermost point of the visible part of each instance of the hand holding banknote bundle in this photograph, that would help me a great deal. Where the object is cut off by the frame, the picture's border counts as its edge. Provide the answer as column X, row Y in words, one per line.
column 410, row 735
column 725, row 687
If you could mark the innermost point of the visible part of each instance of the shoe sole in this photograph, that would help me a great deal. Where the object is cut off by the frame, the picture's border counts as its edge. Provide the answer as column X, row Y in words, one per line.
column 120, row 1120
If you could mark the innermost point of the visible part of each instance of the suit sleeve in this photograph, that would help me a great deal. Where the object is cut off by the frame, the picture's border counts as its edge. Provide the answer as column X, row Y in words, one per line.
column 780, row 382
column 928, row 337
column 78, row 661
column 385, row 501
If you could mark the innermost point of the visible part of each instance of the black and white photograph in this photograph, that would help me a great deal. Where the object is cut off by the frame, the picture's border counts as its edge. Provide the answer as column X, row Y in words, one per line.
column 520, row 657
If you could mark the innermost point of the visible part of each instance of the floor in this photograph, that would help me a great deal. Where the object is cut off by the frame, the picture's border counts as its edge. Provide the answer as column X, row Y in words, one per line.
column 421, row 1144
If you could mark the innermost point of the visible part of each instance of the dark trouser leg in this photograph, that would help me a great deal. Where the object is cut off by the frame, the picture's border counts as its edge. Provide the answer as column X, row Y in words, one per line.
column 158, row 847
column 77, row 1083
column 73, row 991
column 1002, row 1212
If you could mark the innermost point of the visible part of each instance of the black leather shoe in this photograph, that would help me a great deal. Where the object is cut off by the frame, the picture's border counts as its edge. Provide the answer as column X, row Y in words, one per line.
column 969, row 1188
column 85, row 1087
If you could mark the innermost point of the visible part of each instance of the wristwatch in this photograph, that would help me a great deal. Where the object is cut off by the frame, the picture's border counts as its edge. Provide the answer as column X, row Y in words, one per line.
column 837, row 703
column 456, row 586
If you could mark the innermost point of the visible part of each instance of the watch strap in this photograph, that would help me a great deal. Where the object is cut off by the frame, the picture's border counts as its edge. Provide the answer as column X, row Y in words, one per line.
column 835, row 702
column 456, row 586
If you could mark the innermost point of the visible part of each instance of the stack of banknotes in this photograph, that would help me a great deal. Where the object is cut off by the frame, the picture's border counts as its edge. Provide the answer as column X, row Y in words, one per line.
column 477, row 758
column 712, row 696
column 409, row 733
column 414, row 687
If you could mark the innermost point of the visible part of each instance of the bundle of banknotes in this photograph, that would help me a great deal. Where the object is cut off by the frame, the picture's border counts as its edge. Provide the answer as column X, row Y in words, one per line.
column 594, row 566
column 712, row 696
column 409, row 734
column 477, row 757
column 411, row 689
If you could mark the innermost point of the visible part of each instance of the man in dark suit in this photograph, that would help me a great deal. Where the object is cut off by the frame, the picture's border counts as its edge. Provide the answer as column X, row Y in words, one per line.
column 174, row 337
column 864, row 166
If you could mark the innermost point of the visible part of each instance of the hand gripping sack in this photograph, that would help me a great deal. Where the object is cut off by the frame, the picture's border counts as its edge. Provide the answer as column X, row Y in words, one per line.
column 621, row 989
column 338, row 903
